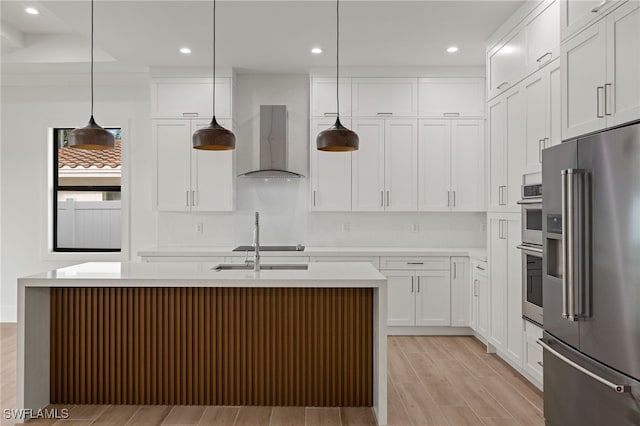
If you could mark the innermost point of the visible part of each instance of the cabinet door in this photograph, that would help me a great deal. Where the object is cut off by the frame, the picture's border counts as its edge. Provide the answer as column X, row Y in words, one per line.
column 543, row 35
column 433, row 298
column 583, row 78
column 368, row 166
column 323, row 97
column 383, row 97
column 172, row 140
column 400, row 298
column 622, row 93
column 330, row 175
column 401, row 165
column 576, row 14
column 514, row 344
column 535, row 88
column 467, row 165
column 498, row 282
column 483, row 293
column 497, row 152
column 434, row 165
column 460, row 313
column 554, row 105
column 213, row 174
column 190, row 97
column 451, row 97
column 507, row 64
column 516, row 142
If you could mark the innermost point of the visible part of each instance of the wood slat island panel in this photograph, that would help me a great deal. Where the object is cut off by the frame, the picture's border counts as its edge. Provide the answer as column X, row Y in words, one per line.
column 212, row 346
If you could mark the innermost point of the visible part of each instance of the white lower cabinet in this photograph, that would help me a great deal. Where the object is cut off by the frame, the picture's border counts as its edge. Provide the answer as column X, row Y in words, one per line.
column 460, row 300
column 401, row 307
column 480, row 298
column 433, row 298
column 505, row 300
column 532, row 362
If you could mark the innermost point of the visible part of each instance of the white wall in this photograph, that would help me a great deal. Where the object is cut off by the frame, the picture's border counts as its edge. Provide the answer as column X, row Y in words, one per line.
column 29, row 110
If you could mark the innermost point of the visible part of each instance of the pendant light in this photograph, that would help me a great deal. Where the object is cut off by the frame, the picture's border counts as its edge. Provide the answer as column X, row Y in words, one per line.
column 92, row 136
column 214, row 137
column 337, row 138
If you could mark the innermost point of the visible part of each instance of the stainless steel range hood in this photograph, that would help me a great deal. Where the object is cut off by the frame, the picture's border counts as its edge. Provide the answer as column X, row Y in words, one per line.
column 273, row 145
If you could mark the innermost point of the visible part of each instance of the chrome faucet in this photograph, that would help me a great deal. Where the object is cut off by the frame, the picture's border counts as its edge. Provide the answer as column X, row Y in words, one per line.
column 256, row 244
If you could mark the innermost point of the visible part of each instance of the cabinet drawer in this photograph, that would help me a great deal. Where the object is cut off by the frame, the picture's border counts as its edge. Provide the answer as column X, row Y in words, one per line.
column 533, row 359
column 374, row 260
column 532, row 330
column 415, row 263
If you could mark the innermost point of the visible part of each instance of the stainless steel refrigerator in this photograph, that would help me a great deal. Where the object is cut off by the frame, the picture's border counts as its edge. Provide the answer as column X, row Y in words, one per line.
column 591, row 273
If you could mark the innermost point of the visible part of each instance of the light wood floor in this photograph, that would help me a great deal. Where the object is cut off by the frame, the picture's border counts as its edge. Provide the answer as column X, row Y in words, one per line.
column 432, row 381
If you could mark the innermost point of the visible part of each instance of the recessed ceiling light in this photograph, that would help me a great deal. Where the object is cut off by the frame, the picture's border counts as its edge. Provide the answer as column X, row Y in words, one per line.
column 452, row 49
column 31, row 11
column 316, row 51
column 185, row 50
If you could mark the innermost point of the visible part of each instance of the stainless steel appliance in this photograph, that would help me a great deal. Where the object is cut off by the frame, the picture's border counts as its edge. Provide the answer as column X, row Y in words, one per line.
column 532, row 283
column 591, row 279
column 531, row 204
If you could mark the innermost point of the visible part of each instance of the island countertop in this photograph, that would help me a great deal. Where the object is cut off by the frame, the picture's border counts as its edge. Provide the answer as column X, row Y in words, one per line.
column 199, row 274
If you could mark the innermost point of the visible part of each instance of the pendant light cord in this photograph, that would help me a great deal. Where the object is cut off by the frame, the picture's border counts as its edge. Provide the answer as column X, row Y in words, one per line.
column 214, row 59
column 92, row 58
column 337, row 56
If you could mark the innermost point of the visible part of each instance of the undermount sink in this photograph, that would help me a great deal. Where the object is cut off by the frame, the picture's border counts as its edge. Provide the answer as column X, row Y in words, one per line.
column 267, row 267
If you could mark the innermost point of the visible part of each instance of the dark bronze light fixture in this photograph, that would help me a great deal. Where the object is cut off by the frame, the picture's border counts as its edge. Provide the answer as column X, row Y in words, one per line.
column 337, row 138
column 92, row 136
column 214, row 137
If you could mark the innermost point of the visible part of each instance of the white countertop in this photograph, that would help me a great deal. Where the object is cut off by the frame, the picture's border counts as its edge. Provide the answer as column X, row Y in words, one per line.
column 189, row 251
column 195, row 274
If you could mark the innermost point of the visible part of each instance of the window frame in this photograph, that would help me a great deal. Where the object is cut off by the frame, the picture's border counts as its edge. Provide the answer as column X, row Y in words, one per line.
column 76, row 188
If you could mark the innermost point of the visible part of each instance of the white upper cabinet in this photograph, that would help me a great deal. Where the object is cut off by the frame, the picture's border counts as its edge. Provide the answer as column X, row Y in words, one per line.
column 451, row 97
column 516, row 137
column 384, row 97
column 467, row 166
column 577, row 14
column 622, row 90
column 507, row 63
column 190, row 97
column 330, row 176
column 543, row 35
column 323, row 97
column 497, row 117
column 554, row 112
column 434, row 165
column 189, row 179
column 583, row 77
column 368, row 191
column 535, row 88
column 401, row 165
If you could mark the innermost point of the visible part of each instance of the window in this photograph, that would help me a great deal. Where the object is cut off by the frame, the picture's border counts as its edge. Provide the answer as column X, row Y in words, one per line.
column 86, row 196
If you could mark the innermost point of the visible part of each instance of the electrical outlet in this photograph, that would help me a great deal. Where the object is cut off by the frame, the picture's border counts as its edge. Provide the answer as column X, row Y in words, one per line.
column 346, row 227
column 415, row 228
column 199, row 228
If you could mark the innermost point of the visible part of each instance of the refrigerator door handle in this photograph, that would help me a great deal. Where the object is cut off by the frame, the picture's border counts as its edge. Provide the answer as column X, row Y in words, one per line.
column 567, row 244
column 615, row 387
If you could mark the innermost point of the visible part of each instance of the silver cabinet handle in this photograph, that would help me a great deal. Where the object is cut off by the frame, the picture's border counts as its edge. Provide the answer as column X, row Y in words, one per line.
column 418, row 284
column 412, row 284
column 539, row 60
column 479, row 267
column 388, row 197
column 540, row 148
column 598, row 7
column 188, row 204
column 314, row 197
column 540, row 364
column 502, row 84
column 330, row 114
column 451, row 114
column 381, row 198
column 475, row 287
column 454, row 198
column 415, row 263
column 615, row 387
column 455, row 270
column 384, row 113
column 607, row 98
column 499, row 195
column 194, row 200
column 599, row 90
column 190, row 114
column 530, row 249
column 448, row 198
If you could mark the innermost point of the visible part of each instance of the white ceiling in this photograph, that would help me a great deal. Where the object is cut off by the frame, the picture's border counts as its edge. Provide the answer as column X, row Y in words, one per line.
column 255, row 36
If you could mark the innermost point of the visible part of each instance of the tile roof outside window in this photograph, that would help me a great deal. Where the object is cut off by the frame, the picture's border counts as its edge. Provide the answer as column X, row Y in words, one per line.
column 73, row 158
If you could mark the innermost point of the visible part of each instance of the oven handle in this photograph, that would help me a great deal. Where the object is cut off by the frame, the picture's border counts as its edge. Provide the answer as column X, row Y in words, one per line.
column 530, row 201
column 531, row 249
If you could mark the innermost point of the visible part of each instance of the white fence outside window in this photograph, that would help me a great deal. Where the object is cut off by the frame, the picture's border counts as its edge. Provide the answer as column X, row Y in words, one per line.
column 89, row 224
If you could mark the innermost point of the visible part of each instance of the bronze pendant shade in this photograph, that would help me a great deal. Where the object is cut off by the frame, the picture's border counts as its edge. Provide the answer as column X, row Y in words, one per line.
column 92, row 136
column 337, row 138
column 214, row 137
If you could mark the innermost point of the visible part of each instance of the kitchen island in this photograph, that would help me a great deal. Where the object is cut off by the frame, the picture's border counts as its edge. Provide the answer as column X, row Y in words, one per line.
column 184, row 333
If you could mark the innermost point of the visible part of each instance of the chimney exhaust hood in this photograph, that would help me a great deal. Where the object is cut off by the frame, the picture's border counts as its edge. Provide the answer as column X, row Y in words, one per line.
column 273, row 145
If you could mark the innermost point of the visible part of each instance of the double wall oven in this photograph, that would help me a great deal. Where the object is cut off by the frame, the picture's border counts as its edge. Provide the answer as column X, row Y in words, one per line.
column 531, row 247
